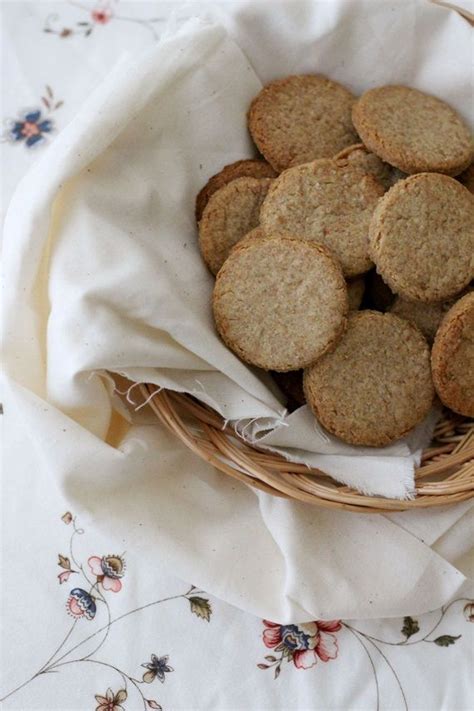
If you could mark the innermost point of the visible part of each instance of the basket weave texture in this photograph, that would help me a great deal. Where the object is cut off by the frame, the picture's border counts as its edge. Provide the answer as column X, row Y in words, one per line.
column 445, row 475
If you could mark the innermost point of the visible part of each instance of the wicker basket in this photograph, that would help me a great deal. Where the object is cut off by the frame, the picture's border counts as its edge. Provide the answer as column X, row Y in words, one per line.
column 446, row 474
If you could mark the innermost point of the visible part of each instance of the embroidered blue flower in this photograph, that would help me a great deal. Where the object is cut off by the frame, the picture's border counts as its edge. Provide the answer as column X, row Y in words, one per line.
column 81, row 604
column 31, row 128
column 294, row 638
column 157, row 668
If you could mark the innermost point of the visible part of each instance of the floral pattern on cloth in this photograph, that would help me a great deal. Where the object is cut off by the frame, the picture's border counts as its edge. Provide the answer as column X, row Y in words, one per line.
column 100, row 14
column 88, row 604
column 302, row 644
column 108, row 571
column 33, row 126
column 157, row 669
column 307, row 644
column 111, row 701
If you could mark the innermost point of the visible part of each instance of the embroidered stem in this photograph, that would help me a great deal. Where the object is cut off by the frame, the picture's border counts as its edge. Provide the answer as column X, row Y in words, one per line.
column 117, row 619
column 60, row 646
column 123, row 674
column 377, row 690
column 405, row 642
column 405, row 704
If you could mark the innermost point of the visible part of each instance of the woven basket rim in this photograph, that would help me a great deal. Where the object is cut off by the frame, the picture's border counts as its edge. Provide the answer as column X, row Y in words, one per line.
column 444, row 477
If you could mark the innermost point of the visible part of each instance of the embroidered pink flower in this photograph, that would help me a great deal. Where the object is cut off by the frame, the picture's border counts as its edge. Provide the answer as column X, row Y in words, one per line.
column 108, row 571
column 111, row 701
column 102, row 14
column 469, row 611
column 64, row 576
column 304, row 643
column 65, row 563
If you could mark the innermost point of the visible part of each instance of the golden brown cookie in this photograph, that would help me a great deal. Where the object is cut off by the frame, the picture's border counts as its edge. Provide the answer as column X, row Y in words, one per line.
column 426, row 317
column 325, row 202
column 280, row 303
column 375, row 385
column 360, row 157
column 251, row 168
column 467, row 178
column 452, row 357
column 422, row 237
column 256, row 233
column 299, row 118
column 355, row 293
column 413, row 131
column 229, row 215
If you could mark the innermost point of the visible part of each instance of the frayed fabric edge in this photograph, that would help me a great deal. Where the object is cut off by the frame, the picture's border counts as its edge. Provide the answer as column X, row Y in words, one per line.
column 241, row 428
column 202, row 395
column 407, row 480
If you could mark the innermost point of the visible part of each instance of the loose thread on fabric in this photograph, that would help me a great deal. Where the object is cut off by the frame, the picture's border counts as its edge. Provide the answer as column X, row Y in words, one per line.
column 244, row 428
column 127, row 393
column 149, row 398
column 128, row 397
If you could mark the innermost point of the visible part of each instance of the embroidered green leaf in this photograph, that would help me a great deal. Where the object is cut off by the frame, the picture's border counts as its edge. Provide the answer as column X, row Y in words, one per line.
column 49, row 91
column 277, row 672
column 410, row 627
column 58, row 105
column 269, row 658
column 201, row 607
column 64, row 562
column 445, row 640
column 153, row 705
column 263, row 666
column 46, row 102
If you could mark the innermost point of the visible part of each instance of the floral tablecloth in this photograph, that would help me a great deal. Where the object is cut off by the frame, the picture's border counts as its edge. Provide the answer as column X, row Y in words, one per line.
column 90, row 624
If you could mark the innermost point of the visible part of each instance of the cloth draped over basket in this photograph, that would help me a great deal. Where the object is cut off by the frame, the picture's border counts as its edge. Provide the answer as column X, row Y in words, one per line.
column 103, row 276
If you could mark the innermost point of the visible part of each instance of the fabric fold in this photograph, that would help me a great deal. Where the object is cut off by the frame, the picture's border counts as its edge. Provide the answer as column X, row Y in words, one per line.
column 103, row 276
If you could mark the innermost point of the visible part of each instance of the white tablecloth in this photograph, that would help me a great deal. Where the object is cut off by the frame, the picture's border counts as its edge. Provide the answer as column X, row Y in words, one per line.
column 63, row 650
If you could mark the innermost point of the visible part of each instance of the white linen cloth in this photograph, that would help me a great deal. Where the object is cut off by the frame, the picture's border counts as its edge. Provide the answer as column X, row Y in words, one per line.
column 102, row 273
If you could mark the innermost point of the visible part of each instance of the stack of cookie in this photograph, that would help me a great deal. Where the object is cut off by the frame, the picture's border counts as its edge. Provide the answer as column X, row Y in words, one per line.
column 360, row 195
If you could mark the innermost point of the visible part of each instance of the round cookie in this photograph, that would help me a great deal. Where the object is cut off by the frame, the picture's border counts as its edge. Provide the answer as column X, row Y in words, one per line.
column 251, row 168
column 228, row 216
column 355, row 293
column 299, row 118
column 452, row 357
column 413, row 131
column 422, row 237
column 360, row 157
column 280, row 303
column 426, row 317
column 467, row 178
column 326, row 202
column 375, row 385
column 255, row 234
